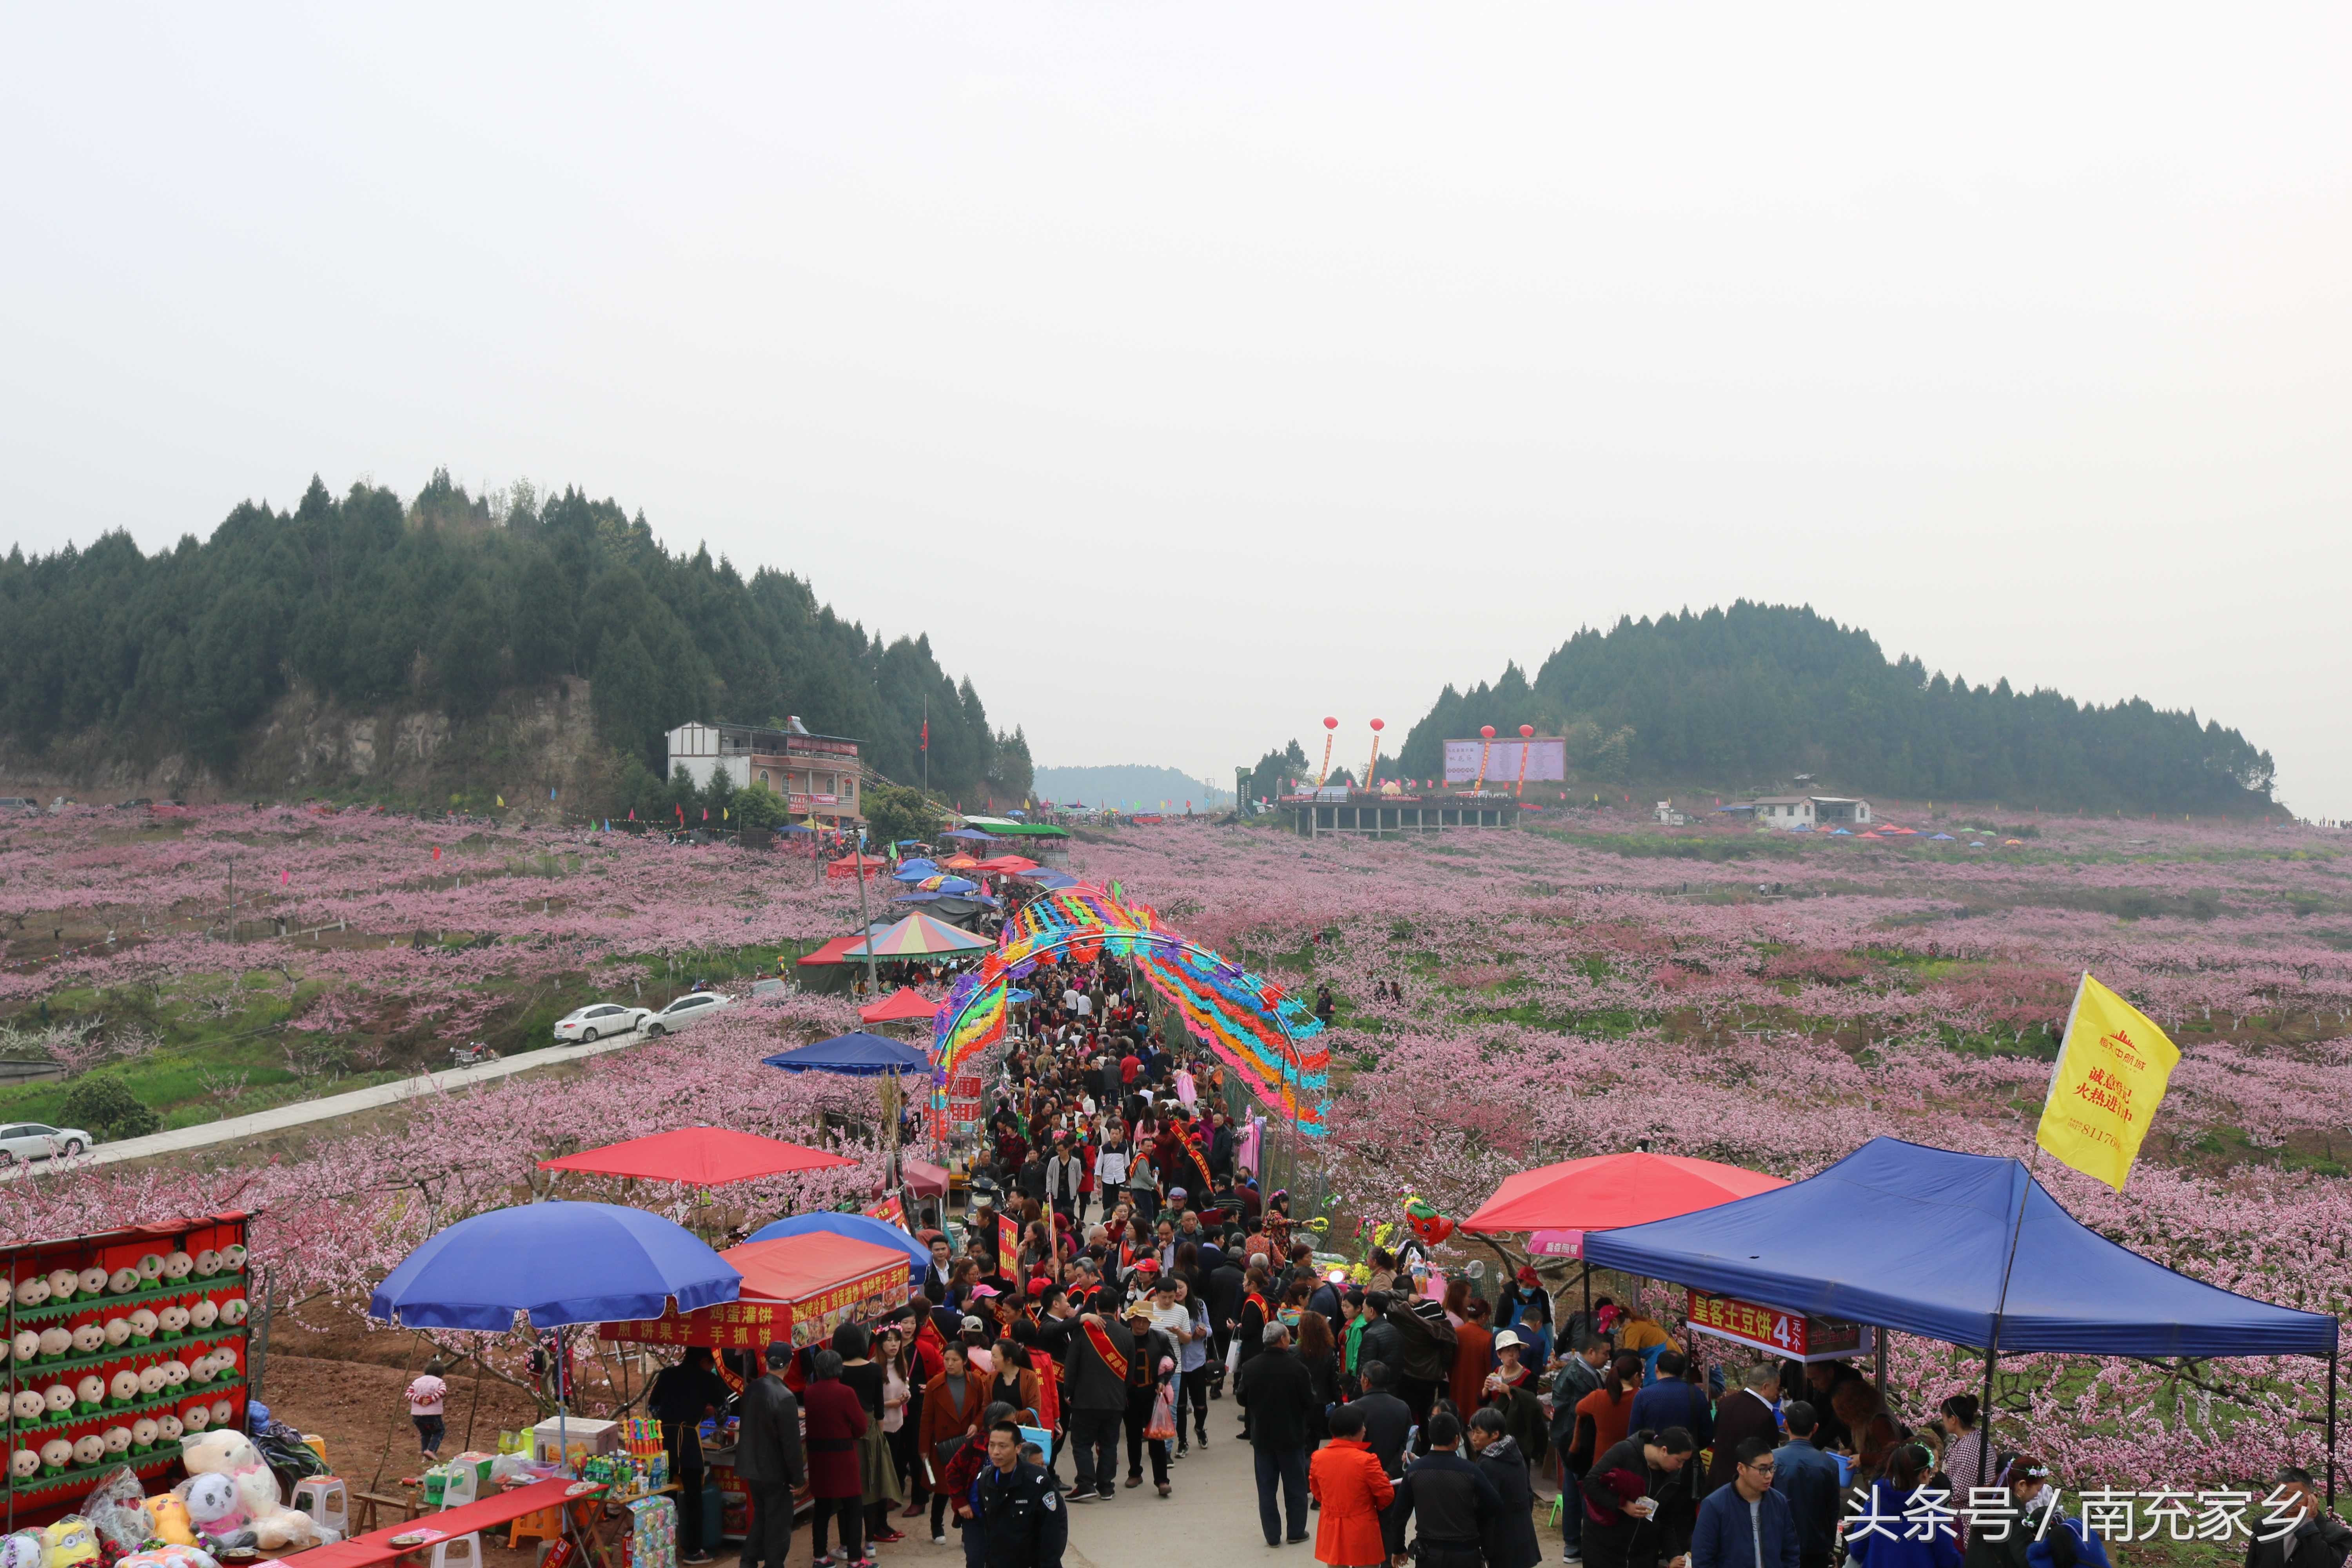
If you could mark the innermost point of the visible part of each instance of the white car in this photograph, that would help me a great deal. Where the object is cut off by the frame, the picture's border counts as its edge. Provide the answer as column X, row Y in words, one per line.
column 598, row 1019
column 691, row 1008
column 39, row 1140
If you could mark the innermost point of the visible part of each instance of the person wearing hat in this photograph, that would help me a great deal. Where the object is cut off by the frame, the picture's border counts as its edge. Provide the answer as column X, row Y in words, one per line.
column 1511, row 1391
column 1149, row 1372
column 768, row 1461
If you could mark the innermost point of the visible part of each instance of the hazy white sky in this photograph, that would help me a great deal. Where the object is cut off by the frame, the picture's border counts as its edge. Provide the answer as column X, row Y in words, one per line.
column 1191, row 372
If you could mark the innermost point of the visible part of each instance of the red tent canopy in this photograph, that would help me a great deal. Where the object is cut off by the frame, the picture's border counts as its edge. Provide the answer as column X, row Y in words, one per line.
column 795, row 1268
column 928, row 1181
column 832, row 952
column 796, row 1287
column 1005, row 865
column 1605, row 1191
column 699, row 1156
column 902, row 1003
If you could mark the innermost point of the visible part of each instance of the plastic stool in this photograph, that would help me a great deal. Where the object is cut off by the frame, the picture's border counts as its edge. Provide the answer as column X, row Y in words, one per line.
column 458, row 1552
column 326, row 1501
column 547, row 1524
column 461, row 1489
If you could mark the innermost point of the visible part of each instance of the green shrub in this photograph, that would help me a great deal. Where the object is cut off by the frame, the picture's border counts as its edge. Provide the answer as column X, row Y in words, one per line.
column 104, row 1104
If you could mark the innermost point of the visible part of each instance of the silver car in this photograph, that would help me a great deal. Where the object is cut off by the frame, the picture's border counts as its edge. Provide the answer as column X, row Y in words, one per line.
column 39, row 1141
column 691, row 1008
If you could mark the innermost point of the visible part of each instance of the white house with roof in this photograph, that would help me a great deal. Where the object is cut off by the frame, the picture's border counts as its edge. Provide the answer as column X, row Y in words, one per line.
column 1787, row 813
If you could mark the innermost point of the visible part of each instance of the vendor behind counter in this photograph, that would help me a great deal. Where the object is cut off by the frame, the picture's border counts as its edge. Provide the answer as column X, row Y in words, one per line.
column 680, row 1398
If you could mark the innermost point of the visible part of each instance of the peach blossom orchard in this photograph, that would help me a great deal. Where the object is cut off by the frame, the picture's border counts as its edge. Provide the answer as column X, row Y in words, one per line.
column 1561, row 994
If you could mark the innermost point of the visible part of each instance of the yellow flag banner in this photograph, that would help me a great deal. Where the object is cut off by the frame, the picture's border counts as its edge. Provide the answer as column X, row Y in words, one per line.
column 2112, row 1070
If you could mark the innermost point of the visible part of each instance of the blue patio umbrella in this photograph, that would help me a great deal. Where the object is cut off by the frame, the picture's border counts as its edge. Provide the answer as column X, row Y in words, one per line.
column 1053, row 881
column 560, row 1262
column 855, row 1055
column 1945, row 836
column 857, row 1226
column 975, row 835
column 915, row 871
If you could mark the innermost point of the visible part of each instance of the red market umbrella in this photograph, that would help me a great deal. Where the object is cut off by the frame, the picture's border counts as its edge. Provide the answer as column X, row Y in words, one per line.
column 1005, row 865
column 904, row 1003
column 700, row 1157
column 928, row 1181
column 1604, row 1191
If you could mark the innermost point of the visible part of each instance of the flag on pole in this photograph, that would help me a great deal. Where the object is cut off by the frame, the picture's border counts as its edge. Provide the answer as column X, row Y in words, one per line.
column 2109, row 1077
column 436, row 852
column 926, row 734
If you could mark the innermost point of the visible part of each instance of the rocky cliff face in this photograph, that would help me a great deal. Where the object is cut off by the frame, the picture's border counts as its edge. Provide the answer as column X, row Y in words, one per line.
column 530, row 742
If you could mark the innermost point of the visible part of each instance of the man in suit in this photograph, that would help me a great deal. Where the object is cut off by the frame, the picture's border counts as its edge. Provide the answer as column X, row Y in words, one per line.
column 1751, row 1413
column 1095, row 1385
column 936, row 1272
column 768, row 1461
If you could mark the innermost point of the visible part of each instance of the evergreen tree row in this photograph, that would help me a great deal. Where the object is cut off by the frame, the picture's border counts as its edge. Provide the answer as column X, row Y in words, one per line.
column 1744, row 698
column 448, row 601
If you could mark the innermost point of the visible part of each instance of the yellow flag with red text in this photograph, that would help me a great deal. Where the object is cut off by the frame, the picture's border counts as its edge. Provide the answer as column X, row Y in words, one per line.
column 2111, row 1074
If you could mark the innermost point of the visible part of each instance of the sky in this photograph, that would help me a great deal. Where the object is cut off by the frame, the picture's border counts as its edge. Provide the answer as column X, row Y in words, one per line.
column 1190, row 372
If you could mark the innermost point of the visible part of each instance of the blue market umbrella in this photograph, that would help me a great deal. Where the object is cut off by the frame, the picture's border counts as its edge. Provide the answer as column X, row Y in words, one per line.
column 1052, row 881
column 857, row 1055
column 974, row 835
column 857, row 1226
column 915, row 871
column 561, row 1262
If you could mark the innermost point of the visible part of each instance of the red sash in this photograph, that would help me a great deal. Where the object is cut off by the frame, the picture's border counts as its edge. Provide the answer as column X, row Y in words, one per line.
column 1107, row 1350
column 1264, row 1314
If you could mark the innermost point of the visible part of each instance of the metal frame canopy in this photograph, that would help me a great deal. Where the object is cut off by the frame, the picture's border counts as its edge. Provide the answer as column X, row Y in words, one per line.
column 1253, row 1025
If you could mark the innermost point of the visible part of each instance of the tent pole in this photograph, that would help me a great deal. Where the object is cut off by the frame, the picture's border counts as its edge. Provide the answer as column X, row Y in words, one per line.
column 2331, row 1427
column 1984, row 1425
column 1588, row 1301
column 1878, row 1339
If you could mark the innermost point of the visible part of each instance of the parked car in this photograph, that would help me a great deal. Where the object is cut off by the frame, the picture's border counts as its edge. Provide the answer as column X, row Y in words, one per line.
column 18, row 803
column 691, row 1008
column 39, row 1140
column 590, row 1024
column 771, row 990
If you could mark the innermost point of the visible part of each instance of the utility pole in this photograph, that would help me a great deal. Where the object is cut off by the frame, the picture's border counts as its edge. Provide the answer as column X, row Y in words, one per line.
column 927, row 742
column 872, row 991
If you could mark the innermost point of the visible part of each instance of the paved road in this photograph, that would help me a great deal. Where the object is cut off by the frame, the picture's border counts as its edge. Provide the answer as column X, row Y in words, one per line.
column 236, row 1128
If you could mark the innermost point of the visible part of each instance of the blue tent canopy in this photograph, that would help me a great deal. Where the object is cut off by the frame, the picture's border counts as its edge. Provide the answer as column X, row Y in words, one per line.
column 915, row 871
column 1053, row 881
column 1916, row 1239
column 561, row 1262
column 857, row 1055
column 857, row 1226
column 975, row 835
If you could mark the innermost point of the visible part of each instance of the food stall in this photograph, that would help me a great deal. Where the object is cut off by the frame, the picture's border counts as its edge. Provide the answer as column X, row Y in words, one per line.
column 796, row 1292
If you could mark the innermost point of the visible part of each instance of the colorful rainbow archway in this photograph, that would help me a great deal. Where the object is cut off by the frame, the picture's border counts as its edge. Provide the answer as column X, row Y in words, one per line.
column 1254, row 1025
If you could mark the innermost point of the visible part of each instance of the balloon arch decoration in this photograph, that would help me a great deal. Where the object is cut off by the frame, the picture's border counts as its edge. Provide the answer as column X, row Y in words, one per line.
column 1254, row 1026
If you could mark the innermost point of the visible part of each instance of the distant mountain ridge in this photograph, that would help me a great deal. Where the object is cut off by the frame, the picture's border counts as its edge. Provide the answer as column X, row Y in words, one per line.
column 1129, row 785
column 1759, row 692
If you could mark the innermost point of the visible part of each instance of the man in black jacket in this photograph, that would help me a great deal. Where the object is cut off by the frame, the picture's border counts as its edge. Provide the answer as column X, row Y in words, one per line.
column 1277, row 1390
column 1100, row 1349
column 1455, row 1503
column 1808, row 1478
column 1643, row 1501
column 1223, row 1288
column 1020, row 1518
column 1378, row 1342
column 1425, row 1346
column 1388, row 1420
column 768, row 1461
column 682, row 1395
column 1510, row 1537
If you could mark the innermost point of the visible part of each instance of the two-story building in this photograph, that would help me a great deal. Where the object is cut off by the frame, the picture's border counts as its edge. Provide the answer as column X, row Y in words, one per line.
column 818, row 775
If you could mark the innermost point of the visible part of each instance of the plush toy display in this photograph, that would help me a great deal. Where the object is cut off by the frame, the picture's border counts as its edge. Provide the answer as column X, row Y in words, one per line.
column 55, row 1453
column 88, row 1337
column 27, row 1407
column 92, row 1280
column 204, row 1314
column 25, row 1547
column 167, row 1556
column 33, row 1292
column 143, row 1433
column 55, row 1342
column 122, row 1281
column 63, row 1283
column 229, row 1454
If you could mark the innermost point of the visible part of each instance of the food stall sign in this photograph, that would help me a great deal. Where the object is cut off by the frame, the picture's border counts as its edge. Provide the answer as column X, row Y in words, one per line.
column 1792, row 1336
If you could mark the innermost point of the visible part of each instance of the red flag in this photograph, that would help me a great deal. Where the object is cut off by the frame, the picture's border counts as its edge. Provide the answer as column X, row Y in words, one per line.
column 633, row 813
column 926, row 734
column 681, row 814
column 706, row 813
column 436, row 852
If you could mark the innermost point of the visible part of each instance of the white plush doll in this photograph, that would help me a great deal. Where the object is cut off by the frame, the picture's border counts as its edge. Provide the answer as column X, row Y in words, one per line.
column 143, row 1433
column 200, row 1371
column 215, row 1509
column 203, row 1315
column 228, row 1452
column 88, row 1450
column 207, row 1264
column 118, row 1331
column 123, row 1387
column 150, row 1267
column 25, row 1548
column 175, row 1373
column 196, row 1417
column 33, row 1292
column 63, row 1283
column 118, row 1441
column 92, row 1280
column 55, row 1343
column 59, row 1397
column 221, row 1411
column 122, row 1281
column 88, row 1337
column 168, row 1425
column 56, row 1455
column 176, row 1267
column 8, row 1292
column 233, row 1310
column 233, row 1258
column 25, row 1464
column 173, row 1320
column 27, row 1344
column 143, row 1326
column 89, row 1392
column 28, row 1406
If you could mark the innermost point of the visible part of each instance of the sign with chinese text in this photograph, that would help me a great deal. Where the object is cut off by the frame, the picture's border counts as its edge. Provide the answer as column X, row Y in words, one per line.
column 889, row 1211
column 756, row 1321
column 1789, row 1335
column 1556, row 1244
column 1008, row 1241
column 2110, row 1076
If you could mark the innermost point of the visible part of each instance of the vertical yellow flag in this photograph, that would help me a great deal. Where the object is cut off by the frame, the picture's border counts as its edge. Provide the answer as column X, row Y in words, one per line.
column 2111, row 1074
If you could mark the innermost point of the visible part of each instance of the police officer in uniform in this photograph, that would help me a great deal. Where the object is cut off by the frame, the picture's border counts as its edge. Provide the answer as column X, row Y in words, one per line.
column 1022, row 1523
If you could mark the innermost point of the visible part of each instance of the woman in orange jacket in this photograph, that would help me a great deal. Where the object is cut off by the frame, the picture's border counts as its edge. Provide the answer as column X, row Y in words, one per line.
column 1345, row 1478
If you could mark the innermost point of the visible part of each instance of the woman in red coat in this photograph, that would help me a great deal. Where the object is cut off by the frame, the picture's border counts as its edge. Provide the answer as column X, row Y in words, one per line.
column 834, row 1419
column 1345, row 1478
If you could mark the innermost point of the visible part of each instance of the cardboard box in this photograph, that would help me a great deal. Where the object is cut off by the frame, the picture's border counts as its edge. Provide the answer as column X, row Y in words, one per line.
column 582, row 1437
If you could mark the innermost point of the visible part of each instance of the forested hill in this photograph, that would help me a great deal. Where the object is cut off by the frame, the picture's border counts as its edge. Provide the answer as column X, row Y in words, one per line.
column 448, row 601
column 1745, row 698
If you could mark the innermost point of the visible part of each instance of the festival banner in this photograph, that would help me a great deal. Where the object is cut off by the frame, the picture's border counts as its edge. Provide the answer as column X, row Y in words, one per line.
column 755, row 1322
column 1008, row 1242
column 1789, row 1335
column 891, row 1210
column 2112, row 1070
